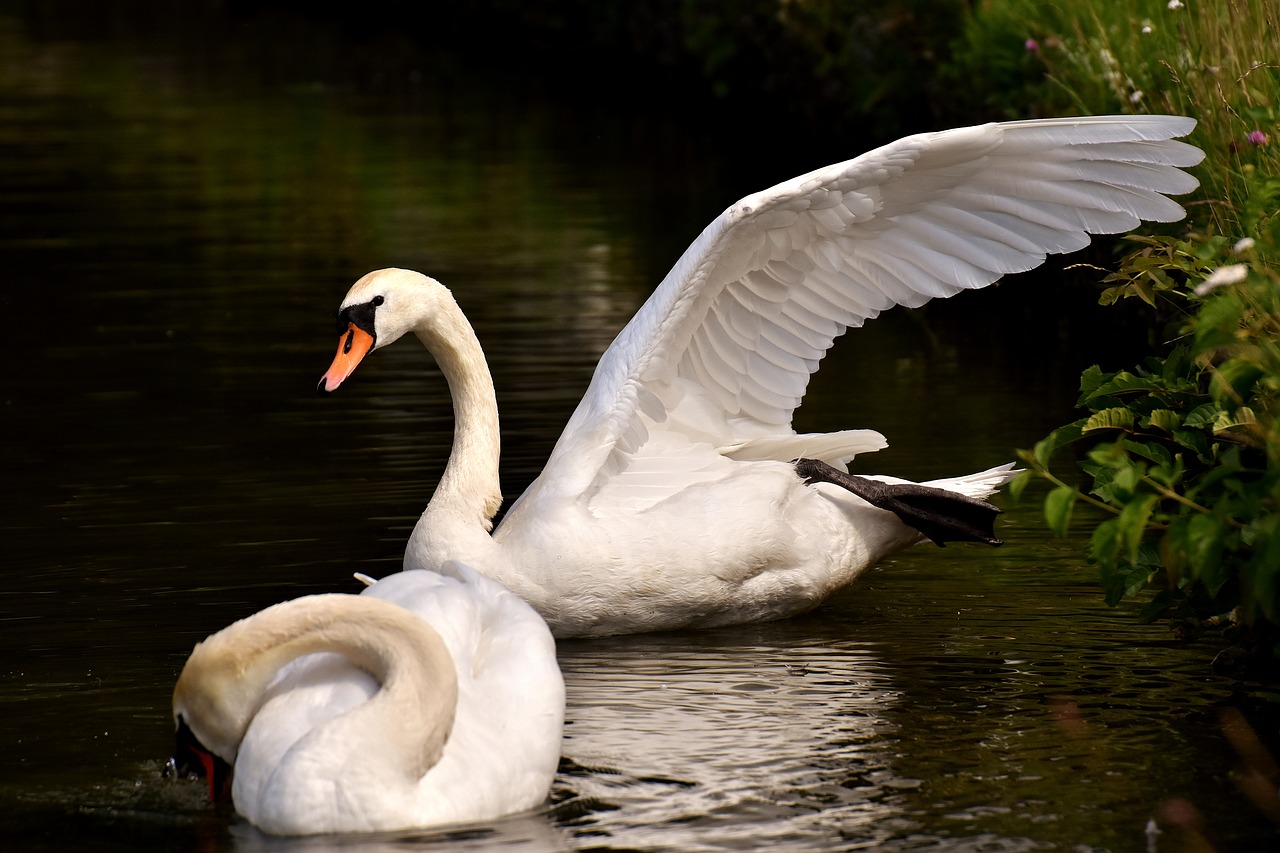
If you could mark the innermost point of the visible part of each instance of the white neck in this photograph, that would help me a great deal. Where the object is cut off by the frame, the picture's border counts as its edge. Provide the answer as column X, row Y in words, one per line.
column 469, row 492
column 402, row 729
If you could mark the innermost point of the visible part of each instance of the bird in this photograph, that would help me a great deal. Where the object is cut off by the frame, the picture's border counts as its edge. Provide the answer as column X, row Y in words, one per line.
column 430, row 698
column 679, row 495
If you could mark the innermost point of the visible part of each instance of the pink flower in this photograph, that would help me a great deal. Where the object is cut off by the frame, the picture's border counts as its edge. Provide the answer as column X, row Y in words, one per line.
column 1032, row 45
column 1257, row 137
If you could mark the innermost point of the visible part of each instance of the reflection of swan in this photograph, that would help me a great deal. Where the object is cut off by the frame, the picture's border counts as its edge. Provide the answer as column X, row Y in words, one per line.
column 777, row 737
column 443, row 703
column 678, row 494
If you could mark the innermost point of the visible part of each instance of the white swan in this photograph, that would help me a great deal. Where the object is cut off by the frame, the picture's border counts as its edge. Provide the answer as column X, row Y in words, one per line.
column 673, row 497
column 442, row 704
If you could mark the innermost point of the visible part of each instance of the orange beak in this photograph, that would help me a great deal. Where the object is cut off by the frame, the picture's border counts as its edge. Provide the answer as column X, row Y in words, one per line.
column 218, row 773
column 354, row 344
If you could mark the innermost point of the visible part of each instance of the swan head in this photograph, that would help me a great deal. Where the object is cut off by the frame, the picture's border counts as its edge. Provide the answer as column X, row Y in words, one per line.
column 379, row 309
column 210, row 716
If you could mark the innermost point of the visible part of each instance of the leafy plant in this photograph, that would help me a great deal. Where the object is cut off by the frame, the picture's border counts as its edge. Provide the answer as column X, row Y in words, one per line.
column 1183, row 452
column 1179, row 457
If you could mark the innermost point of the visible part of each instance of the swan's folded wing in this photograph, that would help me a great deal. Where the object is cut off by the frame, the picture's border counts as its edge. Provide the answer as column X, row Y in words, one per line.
column 723, row 350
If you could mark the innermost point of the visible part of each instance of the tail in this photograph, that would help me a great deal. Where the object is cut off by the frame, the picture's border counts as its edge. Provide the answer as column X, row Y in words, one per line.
column 984, row 484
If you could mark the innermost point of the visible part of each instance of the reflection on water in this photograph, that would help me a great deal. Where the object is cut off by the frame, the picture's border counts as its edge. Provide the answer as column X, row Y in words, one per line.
column 717, row 742
column 179, row 217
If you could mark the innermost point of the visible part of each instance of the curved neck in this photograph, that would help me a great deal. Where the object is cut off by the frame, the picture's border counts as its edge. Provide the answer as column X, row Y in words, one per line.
column 469, row 490
column 226, row 678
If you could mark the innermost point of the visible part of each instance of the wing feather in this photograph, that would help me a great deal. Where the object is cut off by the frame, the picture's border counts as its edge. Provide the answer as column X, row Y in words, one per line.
column 724, row 348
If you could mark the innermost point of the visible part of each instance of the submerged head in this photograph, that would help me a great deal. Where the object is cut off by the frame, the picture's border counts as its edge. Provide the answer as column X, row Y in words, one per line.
column 378, row 309
column 210, row 718
column 191, row 757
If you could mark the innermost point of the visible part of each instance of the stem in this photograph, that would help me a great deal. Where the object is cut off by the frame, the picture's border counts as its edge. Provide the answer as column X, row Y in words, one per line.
column 1165, row 491
column 1043, row 472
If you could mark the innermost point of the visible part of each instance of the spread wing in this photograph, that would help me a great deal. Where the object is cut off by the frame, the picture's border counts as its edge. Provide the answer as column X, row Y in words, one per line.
column 716, row 361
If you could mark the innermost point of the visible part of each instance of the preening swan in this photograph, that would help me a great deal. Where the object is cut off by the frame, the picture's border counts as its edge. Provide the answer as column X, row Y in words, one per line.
column 431, row 698
column 678, row 494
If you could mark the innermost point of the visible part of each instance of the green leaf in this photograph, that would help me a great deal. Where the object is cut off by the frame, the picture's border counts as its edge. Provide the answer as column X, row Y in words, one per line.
column 1147, row 450
column 1115, row 473
column 1234, row 381
column 1143, row 290
column 1131, row 524
column 1168, row 474
column 1057, row 509
column 1217, row 321
column 1123, row 581
column 1112, row 295
column 1241, row 426
column 1127, row 479
column 1205, row 534
column 1104, row 546
column 1195, row 441
column 1116, row 418
column 1044, row 449
column 1018, row 484
column 1125, row 382
column 1090, row 379
column 1202, row 417
column 1163, row 419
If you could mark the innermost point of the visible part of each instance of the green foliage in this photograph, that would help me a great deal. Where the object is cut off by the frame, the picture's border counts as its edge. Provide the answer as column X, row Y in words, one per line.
column 1180, row 455
column 1183, row 452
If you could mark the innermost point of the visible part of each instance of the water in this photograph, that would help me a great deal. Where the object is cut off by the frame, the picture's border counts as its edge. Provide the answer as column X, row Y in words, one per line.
column 183, row 204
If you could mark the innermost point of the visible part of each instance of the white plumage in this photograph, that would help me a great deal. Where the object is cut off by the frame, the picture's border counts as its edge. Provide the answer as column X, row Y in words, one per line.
column 431, row 698
column 670, row 499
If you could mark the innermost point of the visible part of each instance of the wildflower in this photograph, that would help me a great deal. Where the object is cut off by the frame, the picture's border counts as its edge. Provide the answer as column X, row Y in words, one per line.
column 1175, row 4
column 1146, row 29
column 1257, row 137
column 1031, row 45
column 1135, row 96
column 1242, row 245
column 1230, row 274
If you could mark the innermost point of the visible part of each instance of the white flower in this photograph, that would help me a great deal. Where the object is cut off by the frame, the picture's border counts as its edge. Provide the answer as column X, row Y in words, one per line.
column 1135, row 96
column 1146, row 29
column 1230, row 274
column 1175, row 4
column 1244, row 244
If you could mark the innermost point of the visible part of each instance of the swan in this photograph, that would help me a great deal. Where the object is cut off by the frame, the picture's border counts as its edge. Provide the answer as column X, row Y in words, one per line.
column 679, row 495
column 430, row 698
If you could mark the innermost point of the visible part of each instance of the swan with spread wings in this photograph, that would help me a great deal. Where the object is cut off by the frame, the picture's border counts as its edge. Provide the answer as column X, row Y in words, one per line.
column 678, row 494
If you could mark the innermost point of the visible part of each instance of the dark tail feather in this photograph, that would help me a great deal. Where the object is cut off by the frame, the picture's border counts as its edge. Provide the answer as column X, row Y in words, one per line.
column 941, row 515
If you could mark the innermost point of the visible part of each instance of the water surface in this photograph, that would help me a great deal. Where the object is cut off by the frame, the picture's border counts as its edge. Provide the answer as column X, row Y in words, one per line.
column 183, row 205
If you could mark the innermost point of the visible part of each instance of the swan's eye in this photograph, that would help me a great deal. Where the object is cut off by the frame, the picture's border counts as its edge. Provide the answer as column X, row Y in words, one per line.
column 346, row 347
column 378, row 300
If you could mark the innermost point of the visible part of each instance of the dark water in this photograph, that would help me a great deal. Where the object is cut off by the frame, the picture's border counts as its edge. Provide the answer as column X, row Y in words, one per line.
column 182, row 206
